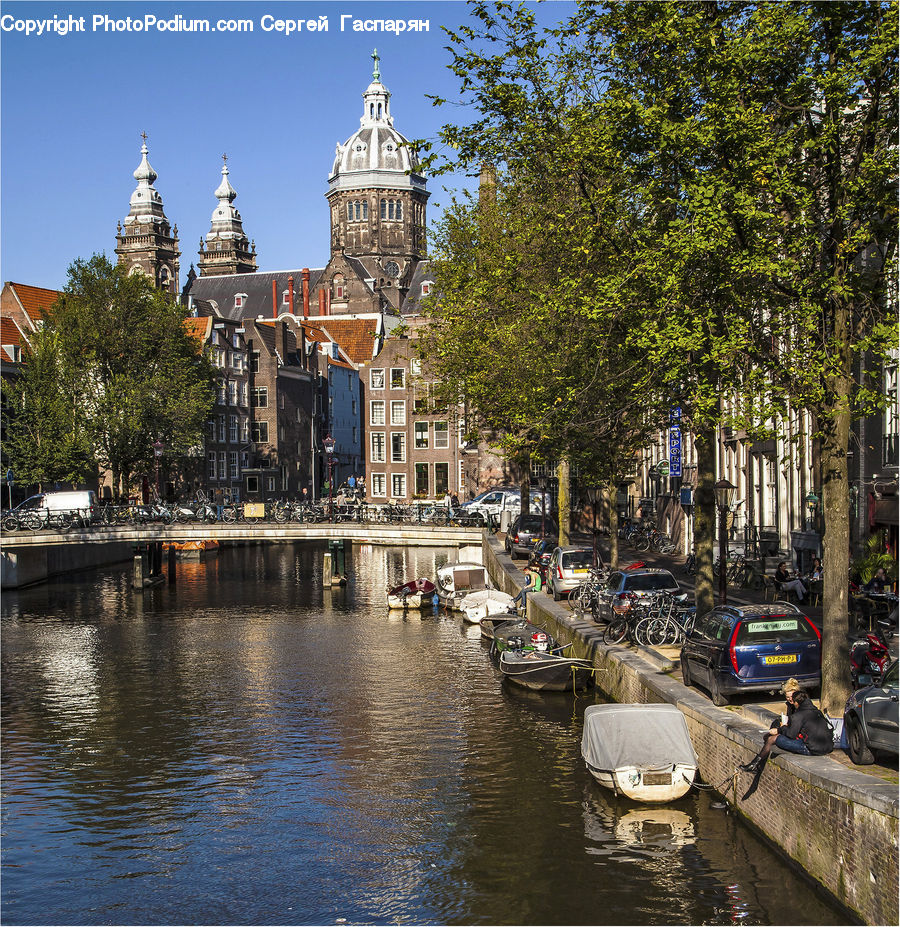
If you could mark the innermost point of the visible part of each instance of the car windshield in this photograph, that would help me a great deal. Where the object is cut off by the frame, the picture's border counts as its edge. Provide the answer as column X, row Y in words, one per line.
column 574, row 559
column 774, row 629
column 531, row 523
column 650, row 582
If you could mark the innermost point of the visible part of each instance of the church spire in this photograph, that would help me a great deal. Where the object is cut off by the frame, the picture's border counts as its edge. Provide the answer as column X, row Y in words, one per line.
column 145, row 241
column 227, row 249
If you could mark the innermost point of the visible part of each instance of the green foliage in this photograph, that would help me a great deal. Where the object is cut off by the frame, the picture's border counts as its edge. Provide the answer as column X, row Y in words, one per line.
column 140, row 376
column 875, row 557
column 45, row 437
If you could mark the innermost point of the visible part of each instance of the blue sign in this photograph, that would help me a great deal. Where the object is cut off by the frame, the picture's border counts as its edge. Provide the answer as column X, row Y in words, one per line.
column 675, row 450
column 9, row 477
column 675, row 415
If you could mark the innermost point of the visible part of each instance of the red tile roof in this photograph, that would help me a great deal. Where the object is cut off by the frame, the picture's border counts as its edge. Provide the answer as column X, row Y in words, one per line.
column 9, row 332
column 355, row 336
column 199, row 328
column 35, row 300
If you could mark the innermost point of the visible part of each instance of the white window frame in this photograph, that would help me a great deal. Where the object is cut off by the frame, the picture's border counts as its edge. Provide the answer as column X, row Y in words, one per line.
column 402, row 372
column 398, row 486
column 233, row 470
column 211, row 465
column 401, row 438
column 379, row 485
column 398, row 412
column 416, row 431
column 376, row 373
column 446, row 435
column 415, row 367
column 378, row 456
column 375, row 419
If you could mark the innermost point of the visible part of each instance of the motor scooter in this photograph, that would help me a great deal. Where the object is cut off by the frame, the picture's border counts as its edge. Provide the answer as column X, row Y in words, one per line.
column 869, row 658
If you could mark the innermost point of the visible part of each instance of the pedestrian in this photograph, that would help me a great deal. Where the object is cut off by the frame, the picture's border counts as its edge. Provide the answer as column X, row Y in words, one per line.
column 807, row 732
column 784, row 582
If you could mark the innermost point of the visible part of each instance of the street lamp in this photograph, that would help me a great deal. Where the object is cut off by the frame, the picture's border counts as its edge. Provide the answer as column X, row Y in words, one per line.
column 594, row 495
column 158, row 448
column 724, row 497
column 812, row 503
column 328, row 441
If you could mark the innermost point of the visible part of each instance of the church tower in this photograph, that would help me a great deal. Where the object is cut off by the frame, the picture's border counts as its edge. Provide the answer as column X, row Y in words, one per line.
column 226, row 249
column 377, row 199
column 146, row 243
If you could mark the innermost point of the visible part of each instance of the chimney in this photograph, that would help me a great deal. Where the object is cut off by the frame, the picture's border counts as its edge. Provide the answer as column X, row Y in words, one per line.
column 274, row 299
column 305, row 273
column 328, row 302
column 291, row 294
column 321, row 302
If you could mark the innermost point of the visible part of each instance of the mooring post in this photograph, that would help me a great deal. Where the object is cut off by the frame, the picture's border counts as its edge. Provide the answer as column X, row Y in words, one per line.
column 137, row 580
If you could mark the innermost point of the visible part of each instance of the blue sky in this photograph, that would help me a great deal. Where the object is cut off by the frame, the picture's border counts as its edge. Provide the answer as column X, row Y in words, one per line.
column 74, row 106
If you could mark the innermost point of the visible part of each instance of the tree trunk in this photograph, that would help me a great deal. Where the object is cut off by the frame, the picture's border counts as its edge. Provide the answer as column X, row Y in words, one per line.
column 564, row 502
column 705, row 518
column 610, row 492
column 836, row 506
column 525, row 485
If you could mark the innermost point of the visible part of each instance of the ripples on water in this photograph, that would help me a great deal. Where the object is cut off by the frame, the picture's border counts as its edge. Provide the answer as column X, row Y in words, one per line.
column 245, row 748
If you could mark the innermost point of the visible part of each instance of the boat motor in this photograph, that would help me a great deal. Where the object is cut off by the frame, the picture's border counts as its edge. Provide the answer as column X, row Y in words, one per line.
column 540, row 641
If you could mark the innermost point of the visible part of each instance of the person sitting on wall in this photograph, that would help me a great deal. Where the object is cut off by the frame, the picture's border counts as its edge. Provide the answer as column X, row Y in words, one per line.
column 784, row 582
column 807, row 732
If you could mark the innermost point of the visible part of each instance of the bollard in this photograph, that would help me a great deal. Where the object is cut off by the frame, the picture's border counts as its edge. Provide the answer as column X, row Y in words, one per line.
column 137, row 580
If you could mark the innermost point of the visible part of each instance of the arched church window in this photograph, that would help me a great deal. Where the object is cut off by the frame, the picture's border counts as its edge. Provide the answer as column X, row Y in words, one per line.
column 365, row 207
column 356, row 204
column 384, row 209
column 379, row 111
column 349, row 212
column 390, row 209
column 399, row 213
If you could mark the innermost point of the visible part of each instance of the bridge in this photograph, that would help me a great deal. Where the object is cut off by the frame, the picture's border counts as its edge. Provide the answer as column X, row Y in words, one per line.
column 33, row 556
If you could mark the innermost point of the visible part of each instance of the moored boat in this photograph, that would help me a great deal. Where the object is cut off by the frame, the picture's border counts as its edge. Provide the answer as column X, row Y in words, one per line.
column 641, row 751
column 490, row 624
column 531, row 658
column 417, row 593
column 484, row 602
column 457, row 580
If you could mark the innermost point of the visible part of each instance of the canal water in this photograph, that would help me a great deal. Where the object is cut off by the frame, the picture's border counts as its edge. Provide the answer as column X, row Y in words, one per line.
column 245, row 748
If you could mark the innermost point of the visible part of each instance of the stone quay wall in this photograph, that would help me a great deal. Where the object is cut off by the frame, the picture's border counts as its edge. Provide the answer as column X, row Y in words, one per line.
column 838, row 824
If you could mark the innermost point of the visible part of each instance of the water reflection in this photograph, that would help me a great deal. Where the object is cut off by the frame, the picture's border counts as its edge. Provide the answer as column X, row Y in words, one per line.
column 246, row 747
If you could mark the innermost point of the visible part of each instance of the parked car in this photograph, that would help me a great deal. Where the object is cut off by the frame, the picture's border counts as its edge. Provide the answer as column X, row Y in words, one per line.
column 539, row 558
column 751, row 648
column 871, row 718
column 525, row 531
column 625, row 586
column 568, row 567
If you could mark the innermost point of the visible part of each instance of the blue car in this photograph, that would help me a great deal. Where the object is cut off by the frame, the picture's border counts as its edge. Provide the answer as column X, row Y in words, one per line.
column 752, row 648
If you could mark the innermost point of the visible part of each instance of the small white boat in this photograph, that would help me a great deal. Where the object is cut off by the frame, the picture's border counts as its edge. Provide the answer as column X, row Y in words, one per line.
column 641, row 751
column 485, row 602
column 417, row 593
column 457, row 580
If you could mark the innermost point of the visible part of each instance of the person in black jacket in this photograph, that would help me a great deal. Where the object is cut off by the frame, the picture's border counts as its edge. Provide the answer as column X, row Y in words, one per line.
column 807, row 732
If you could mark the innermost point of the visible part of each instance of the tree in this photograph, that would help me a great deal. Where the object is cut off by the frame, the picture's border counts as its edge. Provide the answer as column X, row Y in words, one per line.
column 738, row 161
column 45, row 437
column 141, row 377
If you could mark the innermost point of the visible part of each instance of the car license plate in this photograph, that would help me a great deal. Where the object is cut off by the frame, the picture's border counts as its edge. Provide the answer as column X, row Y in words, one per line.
column 581, row 571
column 780, row 658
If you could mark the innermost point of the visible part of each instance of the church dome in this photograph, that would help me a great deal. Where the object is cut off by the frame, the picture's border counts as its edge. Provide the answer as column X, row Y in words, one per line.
column 376, row 154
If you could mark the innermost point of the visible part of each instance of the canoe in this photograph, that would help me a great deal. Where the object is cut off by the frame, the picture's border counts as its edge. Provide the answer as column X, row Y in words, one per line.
column 643, row 752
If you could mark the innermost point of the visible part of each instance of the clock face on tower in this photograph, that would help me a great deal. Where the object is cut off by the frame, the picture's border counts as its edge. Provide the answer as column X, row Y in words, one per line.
column 392, row 269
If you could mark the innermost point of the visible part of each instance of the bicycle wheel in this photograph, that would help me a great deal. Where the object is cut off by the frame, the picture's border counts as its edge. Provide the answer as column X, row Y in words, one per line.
column 642, row 632
column 616, row 631
column 229, row 514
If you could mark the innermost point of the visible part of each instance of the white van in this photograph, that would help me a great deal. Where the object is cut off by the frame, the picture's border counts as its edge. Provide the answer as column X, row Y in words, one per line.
column 82, row 502
column 504, row 499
